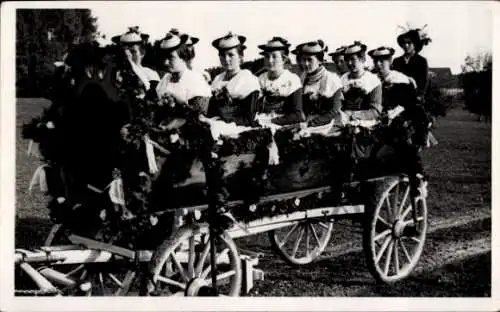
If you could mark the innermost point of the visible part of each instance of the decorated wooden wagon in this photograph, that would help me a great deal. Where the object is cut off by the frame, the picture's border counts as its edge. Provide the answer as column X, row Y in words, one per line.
column 147, row 199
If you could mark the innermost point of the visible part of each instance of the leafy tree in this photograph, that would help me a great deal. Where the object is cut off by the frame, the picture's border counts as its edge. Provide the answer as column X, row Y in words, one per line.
column 42, row 37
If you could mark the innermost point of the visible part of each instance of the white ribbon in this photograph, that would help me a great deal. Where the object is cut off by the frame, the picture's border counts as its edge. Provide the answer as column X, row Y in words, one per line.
column 150, row 154
column 431, row 140
column 116, row 192
column 274, row 157
column 39, row 177
column 33, row 149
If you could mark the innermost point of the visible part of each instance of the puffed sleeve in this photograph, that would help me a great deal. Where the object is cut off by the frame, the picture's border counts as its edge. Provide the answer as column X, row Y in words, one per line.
column 197, row 86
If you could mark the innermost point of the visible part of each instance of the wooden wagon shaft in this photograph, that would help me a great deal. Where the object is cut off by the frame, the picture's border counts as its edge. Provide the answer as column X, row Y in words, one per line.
column 39, row 279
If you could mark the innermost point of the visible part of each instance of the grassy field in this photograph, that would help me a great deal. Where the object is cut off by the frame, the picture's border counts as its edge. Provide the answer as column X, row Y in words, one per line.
column 452, row 263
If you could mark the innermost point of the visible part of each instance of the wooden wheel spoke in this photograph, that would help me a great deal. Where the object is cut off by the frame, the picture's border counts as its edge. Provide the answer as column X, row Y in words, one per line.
column 382, row 249
column 403, row 201
column 395, row 206
column 383, row 221
column 179, row 268
column 171, row 282
column 323, row 225
column 101, row 281
column 191, row 257
column 410, row 222
column 382, row 235
column 389, row 208
column 396, row 257
column 205, row 273
column 405, row 251
column 306, row 229
column 405, row 213
column 202, row 259
column 297, row 242
column 315, row 235
column 415, row 239
column 115, row 280
column 221, row 276
column 283, row 242
column 76, row 270
column 388, row 258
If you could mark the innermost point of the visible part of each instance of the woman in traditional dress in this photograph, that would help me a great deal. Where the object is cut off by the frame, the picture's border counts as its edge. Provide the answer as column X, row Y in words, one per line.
column 397, row 88
column 235, row 91
column 411, row 63
column 281, row 89
column 132, row 43
column 399, row 91
column 339, row 61
column 322, row 92
column 362, row 89
column 181, row 85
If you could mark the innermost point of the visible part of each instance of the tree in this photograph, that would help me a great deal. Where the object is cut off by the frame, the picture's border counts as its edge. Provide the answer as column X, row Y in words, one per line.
column 42, row 37
column 476, row 80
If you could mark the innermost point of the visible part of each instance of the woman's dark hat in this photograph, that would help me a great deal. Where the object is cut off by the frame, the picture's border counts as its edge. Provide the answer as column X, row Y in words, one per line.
column 190, row 40
column 381, row 52
column 311, row 48
column 338, row 51
column 418, row 36
column 229, row 41
column 132, row 36
column 172, row 41
column 275, row 44
column 355, row 48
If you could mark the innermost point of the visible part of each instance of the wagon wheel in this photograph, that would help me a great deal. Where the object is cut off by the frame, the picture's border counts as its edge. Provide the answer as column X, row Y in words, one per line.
column 392, row 241
column 108, row 279
column 313, row 235
column 181, row 265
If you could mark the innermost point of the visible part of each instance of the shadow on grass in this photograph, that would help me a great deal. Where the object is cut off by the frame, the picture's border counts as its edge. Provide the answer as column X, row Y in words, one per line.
column 466, row 278
column 31, row 232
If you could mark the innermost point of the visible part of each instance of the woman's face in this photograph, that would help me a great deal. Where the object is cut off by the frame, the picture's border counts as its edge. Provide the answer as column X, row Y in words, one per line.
column 354, row 63
column 408, row 47
column 230, row 59
column 136, row 52
column 173, row 63
column 382, row 65
column 309, row 62
column 340, row 63
column 274, row 61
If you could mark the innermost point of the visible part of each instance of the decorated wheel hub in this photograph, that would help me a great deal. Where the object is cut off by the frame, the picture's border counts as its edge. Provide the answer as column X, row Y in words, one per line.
column 398, row 228
column 196, row 286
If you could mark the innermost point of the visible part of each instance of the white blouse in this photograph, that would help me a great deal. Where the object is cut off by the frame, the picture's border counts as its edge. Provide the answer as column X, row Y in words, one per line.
column 286, row 84
column 239, row 86
column 191, row 84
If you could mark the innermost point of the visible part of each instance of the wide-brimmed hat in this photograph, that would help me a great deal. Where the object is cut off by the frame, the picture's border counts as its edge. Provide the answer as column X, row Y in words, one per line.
column 172, row 41
column 275, row 44
column 311, row 48
column 229, row 41
column 418, row 36
column 381, row 52
column 355, row 48
column 132, row 36
column 338, row 51
column 190, row 39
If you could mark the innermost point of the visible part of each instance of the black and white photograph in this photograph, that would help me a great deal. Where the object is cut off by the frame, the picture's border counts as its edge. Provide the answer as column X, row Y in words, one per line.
column 263, row 150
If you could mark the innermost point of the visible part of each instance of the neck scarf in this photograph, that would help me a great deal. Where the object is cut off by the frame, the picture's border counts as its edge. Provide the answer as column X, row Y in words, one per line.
column 315, row 76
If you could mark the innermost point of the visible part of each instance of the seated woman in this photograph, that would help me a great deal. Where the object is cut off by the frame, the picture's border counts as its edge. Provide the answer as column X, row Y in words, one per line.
column 132, row 43
column 181, row 85
column 362, row 89
column 322, row 92
column 397, row 88
column 401, row 90
column 282, row 89
column 338, row 59
column 235, row 90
